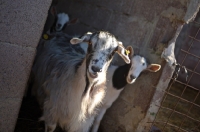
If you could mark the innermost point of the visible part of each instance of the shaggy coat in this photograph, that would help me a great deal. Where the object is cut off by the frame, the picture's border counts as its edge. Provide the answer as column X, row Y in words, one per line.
column 69, row 83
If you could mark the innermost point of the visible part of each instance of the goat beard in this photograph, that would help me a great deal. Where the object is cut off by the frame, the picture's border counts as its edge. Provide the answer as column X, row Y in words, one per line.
column 94, row 85
column 92, row 98
column 89, row 86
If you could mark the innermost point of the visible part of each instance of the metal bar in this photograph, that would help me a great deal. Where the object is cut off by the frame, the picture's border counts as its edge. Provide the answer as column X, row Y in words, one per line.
column 159, row 107
column 193, row 101
column 196, row 22
column 190, row 54
column 193, row 71
column 194, row 38
column 187, row 81
column 181, row 99
column 178, row 101
column 190, row 46
column 187, row 85
column 169, row 124
column 173, row 80
column 180, row 113
column 188, row 111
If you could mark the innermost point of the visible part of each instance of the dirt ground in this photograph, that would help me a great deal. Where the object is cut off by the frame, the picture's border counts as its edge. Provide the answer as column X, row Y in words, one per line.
column 28, row 117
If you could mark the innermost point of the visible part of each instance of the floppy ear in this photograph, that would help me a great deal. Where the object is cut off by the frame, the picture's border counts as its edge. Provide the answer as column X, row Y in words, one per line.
column 123, row 52
column 153, row 67
column 53, row 10
column 73, row 21
column 84, row 38
column 130, row 51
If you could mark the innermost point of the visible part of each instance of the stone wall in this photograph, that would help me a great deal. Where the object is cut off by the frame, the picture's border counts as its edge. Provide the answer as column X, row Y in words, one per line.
column 21, row 24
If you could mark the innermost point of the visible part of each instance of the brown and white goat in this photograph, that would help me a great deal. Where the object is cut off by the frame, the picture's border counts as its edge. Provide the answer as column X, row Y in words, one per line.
column 69, row 83
column 117, row 78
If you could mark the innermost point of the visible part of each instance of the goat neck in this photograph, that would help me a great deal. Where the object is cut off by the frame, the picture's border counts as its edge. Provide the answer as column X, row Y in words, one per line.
column 119, row 76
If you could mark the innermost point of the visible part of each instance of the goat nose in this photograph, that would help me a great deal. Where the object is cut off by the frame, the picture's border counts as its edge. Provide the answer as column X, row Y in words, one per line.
column 59, row 25
column 132, row 77
column 96, row 69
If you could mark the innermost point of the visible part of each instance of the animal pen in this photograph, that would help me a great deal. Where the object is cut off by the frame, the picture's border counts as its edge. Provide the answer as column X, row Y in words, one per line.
column 167, row 101
column 180, row 107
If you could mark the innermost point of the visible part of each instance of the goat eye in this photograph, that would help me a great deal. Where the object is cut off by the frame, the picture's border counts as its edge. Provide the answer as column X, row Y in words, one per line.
column 143, row 64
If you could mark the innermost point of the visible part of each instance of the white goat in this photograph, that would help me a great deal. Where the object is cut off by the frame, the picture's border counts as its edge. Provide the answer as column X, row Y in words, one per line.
column 56, row 24
column 57, row 21
column 61, row 19
column 117, row 78
column 69, row 83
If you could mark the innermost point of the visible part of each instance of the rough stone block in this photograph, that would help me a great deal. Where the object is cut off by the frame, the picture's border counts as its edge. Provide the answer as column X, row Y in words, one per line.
column 9, row 109
column 129, row 29
column 114, row 5
column 119, row 26
column 102, row 18
column 16, row 63
column 22, row 22
column 127, row 6
column 78, row 9
column 78, row 29
column 163, row 32
column 90, row 14
column 154, row 8
column 64, row 5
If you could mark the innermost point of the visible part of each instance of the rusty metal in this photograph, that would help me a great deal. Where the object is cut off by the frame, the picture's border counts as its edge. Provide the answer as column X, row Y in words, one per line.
column 185, row 84
column 169, row 124
column 189, row 108
column 179, row 98
column 179, row 113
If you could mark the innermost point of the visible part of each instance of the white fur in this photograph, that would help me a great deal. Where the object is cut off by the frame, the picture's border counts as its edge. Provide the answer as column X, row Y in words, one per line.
column 60, row 85
column 138, row 64
column 62, row 18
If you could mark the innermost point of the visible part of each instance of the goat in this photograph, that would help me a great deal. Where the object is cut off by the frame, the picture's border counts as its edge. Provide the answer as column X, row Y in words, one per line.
column 117, row 78
column 69, row 83
column 60, row 21
column 56, row 24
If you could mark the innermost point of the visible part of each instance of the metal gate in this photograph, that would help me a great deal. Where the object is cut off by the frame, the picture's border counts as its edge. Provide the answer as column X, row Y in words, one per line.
column 180, row 107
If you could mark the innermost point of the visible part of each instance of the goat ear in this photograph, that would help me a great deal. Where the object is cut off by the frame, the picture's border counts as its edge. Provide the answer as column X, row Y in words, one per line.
column 130, row 51
column 153, row 67
column 84, row 38
column 53, row 10
column 73, row 21
column 123, row 52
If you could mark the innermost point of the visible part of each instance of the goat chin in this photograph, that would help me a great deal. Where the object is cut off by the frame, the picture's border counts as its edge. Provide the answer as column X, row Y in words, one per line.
column 84, row 110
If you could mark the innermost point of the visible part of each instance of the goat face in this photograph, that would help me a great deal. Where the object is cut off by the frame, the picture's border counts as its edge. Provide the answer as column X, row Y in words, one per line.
column 62, row 20
column 102, row 46
column 139, row 64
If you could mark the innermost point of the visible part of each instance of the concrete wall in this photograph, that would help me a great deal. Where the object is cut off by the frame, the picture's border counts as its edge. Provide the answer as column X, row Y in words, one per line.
column 144, row 24
column 21, row 24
